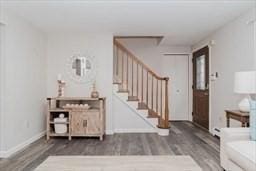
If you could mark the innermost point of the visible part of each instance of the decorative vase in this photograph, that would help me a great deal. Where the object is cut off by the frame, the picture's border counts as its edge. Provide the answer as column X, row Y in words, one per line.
column 61, row 85
column 94, row 93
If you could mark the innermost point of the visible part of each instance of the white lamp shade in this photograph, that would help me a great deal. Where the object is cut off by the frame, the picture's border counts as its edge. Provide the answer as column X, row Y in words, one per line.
column 245, row 82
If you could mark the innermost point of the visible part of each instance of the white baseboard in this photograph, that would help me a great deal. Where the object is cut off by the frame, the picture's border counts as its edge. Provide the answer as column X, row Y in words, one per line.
column 109, row 132
column 135, row 130
column 13, row 150
column 216, row 131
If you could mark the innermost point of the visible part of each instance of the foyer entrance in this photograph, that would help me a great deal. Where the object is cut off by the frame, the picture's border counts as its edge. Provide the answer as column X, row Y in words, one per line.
column 201, row 87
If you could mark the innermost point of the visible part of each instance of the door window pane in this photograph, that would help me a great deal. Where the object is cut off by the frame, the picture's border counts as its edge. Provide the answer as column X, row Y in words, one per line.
column 200, row 73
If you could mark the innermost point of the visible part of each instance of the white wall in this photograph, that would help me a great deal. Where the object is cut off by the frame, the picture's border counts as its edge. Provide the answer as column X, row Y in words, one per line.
column 61, row 47
column 24, row 83
column 233, row 51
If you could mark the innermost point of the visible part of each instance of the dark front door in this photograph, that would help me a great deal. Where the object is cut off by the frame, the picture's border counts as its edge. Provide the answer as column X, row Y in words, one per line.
column 201, row 87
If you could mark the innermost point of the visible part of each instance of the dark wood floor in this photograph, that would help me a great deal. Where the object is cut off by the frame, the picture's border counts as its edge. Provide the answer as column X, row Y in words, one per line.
column 184, row 139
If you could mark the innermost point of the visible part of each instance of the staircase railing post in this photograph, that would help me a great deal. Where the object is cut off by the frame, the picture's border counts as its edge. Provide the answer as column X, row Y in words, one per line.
column 166, row 115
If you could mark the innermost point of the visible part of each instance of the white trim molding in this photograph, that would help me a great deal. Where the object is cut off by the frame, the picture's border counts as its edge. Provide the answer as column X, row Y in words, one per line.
column 13, row 150
column 109, row 132
column 135, row 130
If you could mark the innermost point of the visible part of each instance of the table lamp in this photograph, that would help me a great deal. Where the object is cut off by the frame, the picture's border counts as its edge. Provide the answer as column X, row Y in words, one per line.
column 245, row 83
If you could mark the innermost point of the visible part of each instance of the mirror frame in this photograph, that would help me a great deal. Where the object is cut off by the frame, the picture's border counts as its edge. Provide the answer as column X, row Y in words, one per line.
column 89, row 77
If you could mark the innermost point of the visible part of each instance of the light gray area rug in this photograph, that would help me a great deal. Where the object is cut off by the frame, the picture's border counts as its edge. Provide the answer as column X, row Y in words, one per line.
column 119, row 163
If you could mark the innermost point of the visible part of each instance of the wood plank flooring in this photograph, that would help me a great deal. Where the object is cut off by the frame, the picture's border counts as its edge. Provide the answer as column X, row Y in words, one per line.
column 184, row 139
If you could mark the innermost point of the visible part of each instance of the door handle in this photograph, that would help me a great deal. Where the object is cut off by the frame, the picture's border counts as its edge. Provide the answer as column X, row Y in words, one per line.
column 207, row 86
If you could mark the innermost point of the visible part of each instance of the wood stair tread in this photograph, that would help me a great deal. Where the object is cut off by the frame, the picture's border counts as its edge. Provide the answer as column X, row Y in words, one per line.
column 133, row 98
column 123, row 91
column 117, row 83
column 142, row 106
column 153, row 116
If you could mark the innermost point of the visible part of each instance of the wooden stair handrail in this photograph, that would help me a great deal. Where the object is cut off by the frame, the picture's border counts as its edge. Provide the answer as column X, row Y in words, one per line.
column 138, row 60
column 156, row 107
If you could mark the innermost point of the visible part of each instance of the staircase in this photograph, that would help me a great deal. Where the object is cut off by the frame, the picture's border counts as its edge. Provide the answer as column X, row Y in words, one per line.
column 141, row 88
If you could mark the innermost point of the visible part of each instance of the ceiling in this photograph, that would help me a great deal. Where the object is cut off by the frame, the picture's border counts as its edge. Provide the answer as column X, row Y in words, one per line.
column 180, row 22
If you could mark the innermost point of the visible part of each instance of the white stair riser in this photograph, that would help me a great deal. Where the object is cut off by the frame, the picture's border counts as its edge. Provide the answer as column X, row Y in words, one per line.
column 115, row 87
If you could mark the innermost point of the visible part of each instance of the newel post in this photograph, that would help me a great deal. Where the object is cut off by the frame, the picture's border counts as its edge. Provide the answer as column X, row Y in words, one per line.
column 166, row 111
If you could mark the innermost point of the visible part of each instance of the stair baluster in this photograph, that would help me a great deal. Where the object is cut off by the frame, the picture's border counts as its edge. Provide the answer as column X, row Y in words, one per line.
column 127, row 71
column 161, row 98
column 157, row 96
column 132, row 77
column 152, row 94
column 122, row 67
column 142, row 88
column 147, row 91
column 137, row 81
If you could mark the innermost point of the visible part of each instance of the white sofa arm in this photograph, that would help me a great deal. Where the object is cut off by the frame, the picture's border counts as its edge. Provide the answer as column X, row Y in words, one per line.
column 229, row 135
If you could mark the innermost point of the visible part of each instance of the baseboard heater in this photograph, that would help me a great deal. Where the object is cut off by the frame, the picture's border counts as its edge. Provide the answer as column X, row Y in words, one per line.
column 216, row 131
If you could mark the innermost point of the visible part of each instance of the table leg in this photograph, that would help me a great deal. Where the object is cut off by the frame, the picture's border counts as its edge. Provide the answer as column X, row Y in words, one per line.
column 243, row 124
column 248, row 124
column 228, row 121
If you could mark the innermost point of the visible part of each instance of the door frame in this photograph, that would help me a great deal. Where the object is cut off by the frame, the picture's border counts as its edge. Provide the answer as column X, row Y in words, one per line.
column 209, row 45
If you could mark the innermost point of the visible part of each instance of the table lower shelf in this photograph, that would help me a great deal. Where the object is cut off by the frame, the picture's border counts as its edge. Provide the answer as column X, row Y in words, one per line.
column 52, row 122
column 53, row 134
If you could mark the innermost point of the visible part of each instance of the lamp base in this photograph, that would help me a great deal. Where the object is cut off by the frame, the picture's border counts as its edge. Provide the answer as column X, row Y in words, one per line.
column 244, row 105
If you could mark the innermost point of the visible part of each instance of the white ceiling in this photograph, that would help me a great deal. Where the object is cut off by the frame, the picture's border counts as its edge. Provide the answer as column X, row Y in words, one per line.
column 181, row 22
